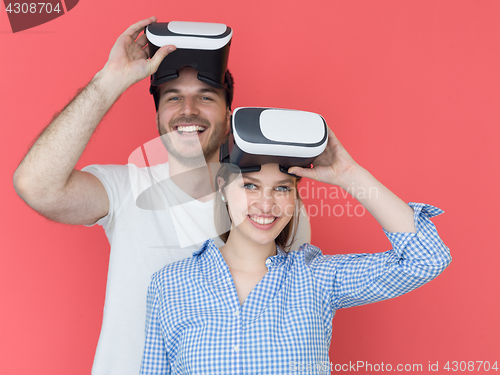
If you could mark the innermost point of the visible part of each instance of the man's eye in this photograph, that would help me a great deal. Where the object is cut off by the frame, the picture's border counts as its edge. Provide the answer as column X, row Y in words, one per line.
column 206, row 98
column 250, row 186
column 173, row 98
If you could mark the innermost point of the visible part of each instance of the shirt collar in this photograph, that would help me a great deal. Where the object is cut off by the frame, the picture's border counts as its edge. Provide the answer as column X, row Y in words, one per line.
column 212, row 264
column 215, row 272
column 211, row 249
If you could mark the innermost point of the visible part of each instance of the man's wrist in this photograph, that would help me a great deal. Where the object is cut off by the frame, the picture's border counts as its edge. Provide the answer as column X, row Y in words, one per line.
column 110, row 83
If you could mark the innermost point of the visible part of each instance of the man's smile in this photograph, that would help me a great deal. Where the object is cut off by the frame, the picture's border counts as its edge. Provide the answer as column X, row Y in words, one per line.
column 189, row 129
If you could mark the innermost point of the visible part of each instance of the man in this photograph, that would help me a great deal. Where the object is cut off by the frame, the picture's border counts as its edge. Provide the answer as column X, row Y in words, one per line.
column 147, row 213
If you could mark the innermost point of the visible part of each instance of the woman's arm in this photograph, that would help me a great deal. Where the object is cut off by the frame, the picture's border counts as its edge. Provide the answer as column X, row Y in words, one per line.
column 154, row 357
column 418, row 255
column 358, row 279
column 335, row 166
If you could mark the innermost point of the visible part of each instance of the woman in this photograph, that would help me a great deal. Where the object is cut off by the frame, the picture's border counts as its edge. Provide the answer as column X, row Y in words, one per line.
column 250, row 307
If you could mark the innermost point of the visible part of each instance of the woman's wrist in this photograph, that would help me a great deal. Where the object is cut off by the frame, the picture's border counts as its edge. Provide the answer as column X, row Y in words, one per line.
column 354, row 179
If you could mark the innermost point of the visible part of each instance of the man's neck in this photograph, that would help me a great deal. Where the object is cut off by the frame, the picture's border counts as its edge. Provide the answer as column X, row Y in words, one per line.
column 198, row 180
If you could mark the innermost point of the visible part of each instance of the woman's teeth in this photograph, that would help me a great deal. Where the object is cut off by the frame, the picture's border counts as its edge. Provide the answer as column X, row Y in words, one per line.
column 262, row 220
column 190, row 129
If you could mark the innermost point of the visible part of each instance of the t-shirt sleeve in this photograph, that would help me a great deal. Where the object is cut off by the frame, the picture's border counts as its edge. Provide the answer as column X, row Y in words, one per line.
column 357, row 279
column 115, row 179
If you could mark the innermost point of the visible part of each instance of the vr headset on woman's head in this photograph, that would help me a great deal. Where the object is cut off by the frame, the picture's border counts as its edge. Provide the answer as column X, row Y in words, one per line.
column 272, row 135
column 203, row 46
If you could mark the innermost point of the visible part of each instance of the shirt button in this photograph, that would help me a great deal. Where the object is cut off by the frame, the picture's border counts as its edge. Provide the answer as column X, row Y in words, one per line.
column 236, row 348
column 268, row 262
column 420, row 235
column 236, row 312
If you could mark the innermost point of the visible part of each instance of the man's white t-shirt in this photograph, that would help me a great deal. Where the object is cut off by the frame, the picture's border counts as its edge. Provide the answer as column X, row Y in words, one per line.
column 151, row 223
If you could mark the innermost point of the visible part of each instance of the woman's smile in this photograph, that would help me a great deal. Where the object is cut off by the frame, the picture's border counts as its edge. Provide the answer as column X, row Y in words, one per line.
column 262, row 221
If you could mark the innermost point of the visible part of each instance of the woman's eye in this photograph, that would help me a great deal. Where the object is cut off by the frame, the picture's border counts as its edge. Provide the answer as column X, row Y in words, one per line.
column 283, row 188
column 250, row 186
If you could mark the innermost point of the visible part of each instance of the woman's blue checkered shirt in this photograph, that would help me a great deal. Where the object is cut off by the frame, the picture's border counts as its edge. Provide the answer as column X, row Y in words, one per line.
column 195, row 324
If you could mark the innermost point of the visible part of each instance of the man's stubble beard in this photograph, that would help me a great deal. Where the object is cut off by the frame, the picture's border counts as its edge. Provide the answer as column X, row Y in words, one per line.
column 209, row 150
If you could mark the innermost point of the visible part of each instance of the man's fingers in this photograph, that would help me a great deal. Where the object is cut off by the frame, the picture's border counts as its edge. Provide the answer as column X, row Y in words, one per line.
column 136, row 33
column 147, row 49
column 134, row 30
column 159, row 56
column 142, row 40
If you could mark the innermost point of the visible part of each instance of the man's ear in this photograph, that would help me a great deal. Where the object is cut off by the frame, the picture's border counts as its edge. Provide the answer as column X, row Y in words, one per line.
column 228, row 121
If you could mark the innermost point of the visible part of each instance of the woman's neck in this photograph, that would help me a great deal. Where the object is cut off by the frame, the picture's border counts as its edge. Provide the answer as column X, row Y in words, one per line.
column 243, row 254
column 247, row 262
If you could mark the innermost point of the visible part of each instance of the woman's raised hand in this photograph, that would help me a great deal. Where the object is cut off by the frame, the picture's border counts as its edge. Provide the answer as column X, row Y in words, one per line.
column 334, row 166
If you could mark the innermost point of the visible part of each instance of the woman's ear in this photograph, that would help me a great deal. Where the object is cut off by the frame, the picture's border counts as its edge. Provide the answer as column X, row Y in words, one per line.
column 220, row 183
column 297, row 180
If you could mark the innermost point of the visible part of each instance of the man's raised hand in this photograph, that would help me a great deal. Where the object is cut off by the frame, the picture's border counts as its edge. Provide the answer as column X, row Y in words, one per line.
column 129, row 60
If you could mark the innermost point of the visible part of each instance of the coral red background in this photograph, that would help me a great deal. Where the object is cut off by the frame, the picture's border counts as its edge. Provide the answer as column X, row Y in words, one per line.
column 412, row 90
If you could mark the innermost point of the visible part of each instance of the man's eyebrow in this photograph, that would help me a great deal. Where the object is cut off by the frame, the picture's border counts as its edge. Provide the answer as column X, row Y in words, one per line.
column 209, row 90
column 171, row 91
column 200, row 91
column 287, row 180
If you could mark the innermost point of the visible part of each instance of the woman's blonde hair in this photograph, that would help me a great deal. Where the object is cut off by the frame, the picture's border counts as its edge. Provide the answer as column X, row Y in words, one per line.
column 223, row 220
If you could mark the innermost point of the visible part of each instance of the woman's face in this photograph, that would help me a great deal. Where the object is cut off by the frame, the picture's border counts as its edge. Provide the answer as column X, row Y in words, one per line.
column 261, row 203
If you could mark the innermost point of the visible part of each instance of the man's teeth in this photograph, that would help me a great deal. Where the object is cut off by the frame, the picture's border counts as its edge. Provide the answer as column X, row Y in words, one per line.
column 263, row 220
column 190, row 129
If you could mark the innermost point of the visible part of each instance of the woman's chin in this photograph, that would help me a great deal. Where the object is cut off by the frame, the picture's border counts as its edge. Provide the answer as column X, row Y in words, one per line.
column 260, row 233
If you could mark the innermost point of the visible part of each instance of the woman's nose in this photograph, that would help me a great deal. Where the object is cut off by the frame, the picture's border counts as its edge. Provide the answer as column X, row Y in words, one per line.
column 265, row 201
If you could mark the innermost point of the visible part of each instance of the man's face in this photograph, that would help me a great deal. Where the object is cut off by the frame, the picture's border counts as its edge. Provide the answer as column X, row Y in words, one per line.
column 192, row 117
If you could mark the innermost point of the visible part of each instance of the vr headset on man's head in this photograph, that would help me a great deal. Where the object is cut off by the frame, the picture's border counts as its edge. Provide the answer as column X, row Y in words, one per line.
column 203, row 46
column 272, row 135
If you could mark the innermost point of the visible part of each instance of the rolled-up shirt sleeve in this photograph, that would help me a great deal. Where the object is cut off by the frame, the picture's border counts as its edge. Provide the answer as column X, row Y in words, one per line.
column 358, row 279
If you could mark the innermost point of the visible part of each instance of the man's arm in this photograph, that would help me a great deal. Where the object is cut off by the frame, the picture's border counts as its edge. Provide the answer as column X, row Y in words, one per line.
column 46, row 179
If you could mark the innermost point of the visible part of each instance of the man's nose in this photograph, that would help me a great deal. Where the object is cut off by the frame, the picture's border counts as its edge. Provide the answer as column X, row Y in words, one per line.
column 189, row 107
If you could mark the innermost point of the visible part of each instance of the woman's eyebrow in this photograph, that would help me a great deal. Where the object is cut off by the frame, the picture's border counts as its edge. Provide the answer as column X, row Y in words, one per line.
column 287, row 180
column 250, row 178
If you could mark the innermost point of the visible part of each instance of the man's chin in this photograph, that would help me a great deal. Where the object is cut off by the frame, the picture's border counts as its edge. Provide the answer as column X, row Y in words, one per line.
column 189, row 151
column 194, row 159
